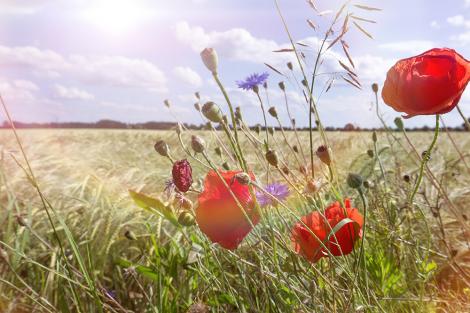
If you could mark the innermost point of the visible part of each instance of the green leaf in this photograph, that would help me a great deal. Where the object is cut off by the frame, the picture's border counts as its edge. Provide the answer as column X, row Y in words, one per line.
column 142, row 270
column 154, row 206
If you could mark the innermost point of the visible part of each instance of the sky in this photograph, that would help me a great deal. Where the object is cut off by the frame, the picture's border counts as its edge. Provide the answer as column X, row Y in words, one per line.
column 86, row 60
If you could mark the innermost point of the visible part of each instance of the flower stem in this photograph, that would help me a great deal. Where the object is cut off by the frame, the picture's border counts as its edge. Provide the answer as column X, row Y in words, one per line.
column 424, row 160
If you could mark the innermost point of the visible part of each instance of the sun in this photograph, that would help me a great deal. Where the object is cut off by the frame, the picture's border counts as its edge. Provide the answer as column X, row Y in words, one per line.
column 117, row 16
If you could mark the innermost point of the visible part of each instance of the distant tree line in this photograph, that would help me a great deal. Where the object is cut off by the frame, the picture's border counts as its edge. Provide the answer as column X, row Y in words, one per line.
column 111, row 124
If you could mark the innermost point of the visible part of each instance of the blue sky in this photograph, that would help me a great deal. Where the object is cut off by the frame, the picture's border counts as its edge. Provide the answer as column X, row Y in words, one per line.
column 85, row 60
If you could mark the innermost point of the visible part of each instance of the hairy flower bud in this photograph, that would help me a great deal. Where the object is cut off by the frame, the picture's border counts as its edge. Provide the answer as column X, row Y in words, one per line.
column 218, row 151
column 271, row 157
column 305, row 83
column 162, row 148
column 210, row 59
column 355, row 181
column 406, row 178
column 290, row 66
column 243, row 178
column 313, row 186
column 399, row 123
column 272, row 111
column 282, row 86
column 197, row 106
column 198, row 144
column 186, row 219
column 324, row 155
column 370, row 153
column 212, row 112
column 295, row 148
column 225, row 166
column 285, row 170
column 255, row 89
column 167, row 103
column 197, row 95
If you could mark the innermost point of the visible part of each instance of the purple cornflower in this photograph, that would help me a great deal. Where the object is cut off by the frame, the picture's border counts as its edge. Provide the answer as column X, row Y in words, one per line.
column 252, row 81
column 278, row 190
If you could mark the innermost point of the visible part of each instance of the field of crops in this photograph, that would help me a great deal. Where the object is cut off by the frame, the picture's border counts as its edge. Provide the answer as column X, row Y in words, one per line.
column 112, row 255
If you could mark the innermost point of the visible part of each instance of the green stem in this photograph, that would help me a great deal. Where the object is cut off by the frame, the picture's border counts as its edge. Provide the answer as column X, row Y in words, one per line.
column 424, row 160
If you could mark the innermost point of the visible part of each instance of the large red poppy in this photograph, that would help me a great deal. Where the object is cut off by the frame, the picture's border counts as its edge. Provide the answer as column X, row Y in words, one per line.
column 339, row 243
column 219, row 216
column 430, row 83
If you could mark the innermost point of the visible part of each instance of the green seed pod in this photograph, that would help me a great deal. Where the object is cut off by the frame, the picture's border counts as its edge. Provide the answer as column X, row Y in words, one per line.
column 399, row 123
column 271, row 157
column 186, row 219
column 272, row 111
column 162, row 148
column 355, row 181
column 212, row 112
column 198, row 144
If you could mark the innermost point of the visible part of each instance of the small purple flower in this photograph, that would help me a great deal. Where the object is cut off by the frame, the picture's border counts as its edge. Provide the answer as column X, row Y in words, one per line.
column 253, row 81
column 278, row 190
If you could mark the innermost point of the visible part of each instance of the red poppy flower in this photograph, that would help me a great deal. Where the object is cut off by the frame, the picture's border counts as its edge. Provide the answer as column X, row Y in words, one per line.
column 182, row 175
column 219, row 216
column 341, row 243
column 430, row 83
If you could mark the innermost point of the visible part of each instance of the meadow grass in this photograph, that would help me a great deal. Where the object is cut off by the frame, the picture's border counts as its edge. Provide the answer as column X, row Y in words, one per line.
column 125, row 259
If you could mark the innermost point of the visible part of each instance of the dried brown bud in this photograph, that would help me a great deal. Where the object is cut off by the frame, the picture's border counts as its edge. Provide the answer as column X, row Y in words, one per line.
column 305, row 83
column 198, row 144
column 374, row 136
column 295, row 148
column 21, row 221
column 218, row 151
column 406, row 178
column 355, row 181
column 312, row 187
column 290, row 66
column 167, row 103
column 282, row 86
column 375, row 88
column 225, row 166
column 258, row 129
column 197, row 95
column 197, row 106
column 324, row 155
column 370, row 153
column 162, row 148
column 303, row 169
column 255, row 89
column 238, row 114
column 285, row 170
column 272, row 111
column 271, row 157
column 130, row 235
column 243, row 178
column 271, row 131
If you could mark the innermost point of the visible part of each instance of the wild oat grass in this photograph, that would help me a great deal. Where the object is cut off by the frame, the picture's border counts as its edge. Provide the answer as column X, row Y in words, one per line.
column 416, row 258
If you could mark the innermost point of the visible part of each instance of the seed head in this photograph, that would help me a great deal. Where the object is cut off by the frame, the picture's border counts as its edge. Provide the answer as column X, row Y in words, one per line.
column 290, row 66
column 374, row 136
column 271, row 157
column 197, row 106
column 324, row 155
column 355, row 181
column 243, row 178
column 212, row 112
column 272, row 111
column 295, row 148
column 370, row 153
column 282, row 86
column 210, row 59
column 399, row 123
column 167, row 103
column 198, row 144
column 162, row 148
column 375, row 87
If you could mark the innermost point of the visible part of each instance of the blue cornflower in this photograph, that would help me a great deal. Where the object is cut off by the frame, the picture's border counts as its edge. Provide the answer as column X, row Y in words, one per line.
column 278, row 190
column 253, row 81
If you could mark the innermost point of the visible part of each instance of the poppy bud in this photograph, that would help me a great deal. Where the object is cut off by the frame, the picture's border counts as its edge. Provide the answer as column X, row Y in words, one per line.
column 355, row 181
column 375, row 88
column 295, row 148
column 21, row 221
column 290, row 66
column 366, row 184
column 167, row 103
column 197, row 106
column 285, row 170
column 293, row 122
column 258, row 129
column 272, row 111
column 312, row 186
column 305, row 82
column 225, row 166
column 324, row 155
column 243, row 178
column 162, row 148
column 255, row 89
column 426, row 155
column 210, row 59
column 198, row 96
column 374, row 136
column 198, row 144
column 406, row 178
column 130, row 235
column 218, row 151
column 271, row 131
column 370, row 153
column 399, row 123
column 182, row 175
column 212, row 112
column 282, row 86
column 265, row 85
column 271, row 157
column 186, row 219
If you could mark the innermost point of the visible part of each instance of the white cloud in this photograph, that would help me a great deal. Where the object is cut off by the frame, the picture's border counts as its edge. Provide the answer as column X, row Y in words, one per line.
column 467, row 3
column 409, row 46
column 435, row 25
column 458, row 21
column 71, row 93
column 188, row 76
column 99, row 70
column 18, row 91
column 21, row 6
